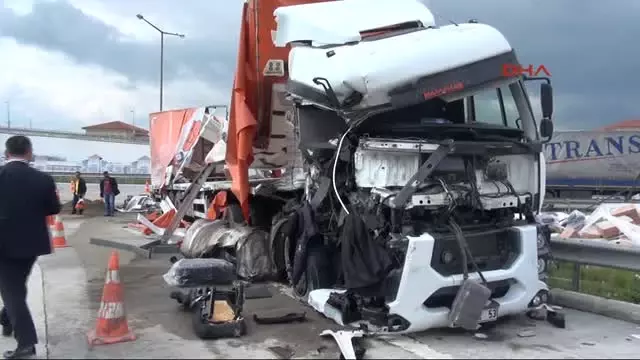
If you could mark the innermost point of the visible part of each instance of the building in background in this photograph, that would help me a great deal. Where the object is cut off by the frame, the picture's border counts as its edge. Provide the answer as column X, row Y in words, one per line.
column 626, row 125
column 94, row 164
column 117, row 129
column 140, row 166
column 52, row 166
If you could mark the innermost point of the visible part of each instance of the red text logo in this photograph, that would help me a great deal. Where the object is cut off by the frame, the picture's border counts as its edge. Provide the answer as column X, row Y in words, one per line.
column 512, row 70
column 453, row 87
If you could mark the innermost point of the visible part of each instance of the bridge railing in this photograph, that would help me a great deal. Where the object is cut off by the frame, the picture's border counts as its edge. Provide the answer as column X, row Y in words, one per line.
column 73, row 135
column 95, row 177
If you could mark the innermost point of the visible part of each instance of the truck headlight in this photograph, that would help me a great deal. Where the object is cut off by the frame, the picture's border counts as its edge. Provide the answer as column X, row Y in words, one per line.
column 540, row 240
column 542, row 266
column 544, row 236
column 446, row 257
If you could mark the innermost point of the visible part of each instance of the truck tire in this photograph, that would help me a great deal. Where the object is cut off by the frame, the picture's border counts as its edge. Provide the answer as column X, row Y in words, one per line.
column 318, row 274
column 277, row 239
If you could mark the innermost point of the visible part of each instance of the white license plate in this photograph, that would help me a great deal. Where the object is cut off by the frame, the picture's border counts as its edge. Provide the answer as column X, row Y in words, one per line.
column 490, row 313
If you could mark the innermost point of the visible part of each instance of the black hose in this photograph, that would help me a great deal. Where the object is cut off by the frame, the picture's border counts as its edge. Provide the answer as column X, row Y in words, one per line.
column 461, row 244
column 513, row 191
column 464, row 249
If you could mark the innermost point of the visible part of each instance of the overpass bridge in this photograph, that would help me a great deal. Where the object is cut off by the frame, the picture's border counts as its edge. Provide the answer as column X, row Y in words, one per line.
column 70, row 135
column 64, row 177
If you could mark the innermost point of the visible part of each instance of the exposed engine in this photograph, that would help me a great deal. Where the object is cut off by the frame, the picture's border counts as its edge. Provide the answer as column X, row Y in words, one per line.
column 366, row 203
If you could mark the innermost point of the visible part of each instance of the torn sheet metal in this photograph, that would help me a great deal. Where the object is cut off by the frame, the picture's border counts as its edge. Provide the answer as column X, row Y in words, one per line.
column 204, row 235
column 138, row 203
column 151, row 226
column 253, row 254
column 344, row 340
column 252, row 251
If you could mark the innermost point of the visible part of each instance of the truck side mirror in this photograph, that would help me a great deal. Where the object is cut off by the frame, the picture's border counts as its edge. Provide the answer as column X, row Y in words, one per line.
column 546, row 128
column 546, row 100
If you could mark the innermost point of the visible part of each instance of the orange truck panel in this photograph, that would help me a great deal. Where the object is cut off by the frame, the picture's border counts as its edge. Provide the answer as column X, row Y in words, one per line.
column 164, row 129
column 250, row 115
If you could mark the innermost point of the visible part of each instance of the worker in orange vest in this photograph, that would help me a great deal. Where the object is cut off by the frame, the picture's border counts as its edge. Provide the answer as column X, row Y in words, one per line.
column 79, row 189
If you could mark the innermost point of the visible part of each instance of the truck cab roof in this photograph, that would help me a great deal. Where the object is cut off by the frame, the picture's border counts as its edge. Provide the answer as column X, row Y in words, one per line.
column 341, row 22
column 371, row 68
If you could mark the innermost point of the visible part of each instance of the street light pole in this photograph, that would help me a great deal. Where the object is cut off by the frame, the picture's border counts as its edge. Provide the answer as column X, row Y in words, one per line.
column 161, row 68
column 162, row 34
column 8, row 113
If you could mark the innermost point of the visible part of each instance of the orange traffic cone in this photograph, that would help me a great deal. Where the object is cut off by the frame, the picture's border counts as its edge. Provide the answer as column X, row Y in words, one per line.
column 147, row 188
column 112, row 326
column 57, row 232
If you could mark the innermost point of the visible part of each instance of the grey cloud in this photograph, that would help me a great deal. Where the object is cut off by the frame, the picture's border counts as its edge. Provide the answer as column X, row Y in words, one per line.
column 58, row 26
column 588, row 45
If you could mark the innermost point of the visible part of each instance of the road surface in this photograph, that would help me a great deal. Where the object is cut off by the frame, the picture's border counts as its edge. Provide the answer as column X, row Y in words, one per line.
column 65, row 290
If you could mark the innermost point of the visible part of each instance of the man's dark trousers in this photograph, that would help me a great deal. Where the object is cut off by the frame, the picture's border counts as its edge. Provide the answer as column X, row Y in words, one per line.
column 14, row 274
column 74, row 202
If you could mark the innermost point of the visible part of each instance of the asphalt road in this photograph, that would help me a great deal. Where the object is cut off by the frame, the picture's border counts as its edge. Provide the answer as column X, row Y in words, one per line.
column 74, row 277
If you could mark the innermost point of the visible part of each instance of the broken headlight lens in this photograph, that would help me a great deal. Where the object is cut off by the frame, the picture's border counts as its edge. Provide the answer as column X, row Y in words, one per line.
column 543, row 236
column 542, row 266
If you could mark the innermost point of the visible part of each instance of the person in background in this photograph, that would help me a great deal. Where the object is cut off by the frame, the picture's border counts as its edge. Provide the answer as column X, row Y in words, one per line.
column 27, row 196
column 108, row 192
column 79, row 187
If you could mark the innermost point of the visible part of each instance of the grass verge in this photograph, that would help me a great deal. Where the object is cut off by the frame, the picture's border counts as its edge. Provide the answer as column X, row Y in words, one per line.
column 609, row 283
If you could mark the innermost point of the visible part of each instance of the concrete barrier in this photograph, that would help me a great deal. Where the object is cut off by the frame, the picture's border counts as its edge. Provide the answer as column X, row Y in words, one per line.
column 594, row 304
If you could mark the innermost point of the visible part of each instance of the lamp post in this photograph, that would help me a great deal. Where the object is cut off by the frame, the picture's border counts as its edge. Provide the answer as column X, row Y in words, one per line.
column 162, row 34
column 8, row 113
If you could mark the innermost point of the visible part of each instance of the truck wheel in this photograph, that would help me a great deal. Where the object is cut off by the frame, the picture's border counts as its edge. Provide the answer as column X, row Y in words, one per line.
column 278, row 242
column 316, row 276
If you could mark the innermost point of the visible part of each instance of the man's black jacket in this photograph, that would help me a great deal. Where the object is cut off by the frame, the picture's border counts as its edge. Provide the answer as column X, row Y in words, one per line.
column 82, row 187
column 27, row 197
column 114, row 187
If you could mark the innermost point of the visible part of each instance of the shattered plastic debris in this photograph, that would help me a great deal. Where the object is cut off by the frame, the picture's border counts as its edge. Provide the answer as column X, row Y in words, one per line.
column 616, row 223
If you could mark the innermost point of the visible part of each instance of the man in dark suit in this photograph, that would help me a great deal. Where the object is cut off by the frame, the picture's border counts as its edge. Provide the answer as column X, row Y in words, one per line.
column 27, row 197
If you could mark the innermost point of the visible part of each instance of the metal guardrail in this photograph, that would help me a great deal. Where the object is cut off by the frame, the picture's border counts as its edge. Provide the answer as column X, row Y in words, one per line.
column 71, row 135
column 581, row 204
column 123, row 179
column 594, row 252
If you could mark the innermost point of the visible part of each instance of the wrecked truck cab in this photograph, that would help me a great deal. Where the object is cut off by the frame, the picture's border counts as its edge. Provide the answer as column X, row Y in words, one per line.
column 424, row 170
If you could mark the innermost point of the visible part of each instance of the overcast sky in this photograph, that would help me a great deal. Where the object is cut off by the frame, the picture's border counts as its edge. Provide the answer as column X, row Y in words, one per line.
column 68, row 63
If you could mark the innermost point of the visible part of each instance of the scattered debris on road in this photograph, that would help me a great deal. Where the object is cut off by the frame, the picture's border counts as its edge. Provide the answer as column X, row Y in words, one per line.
column 615, row 223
